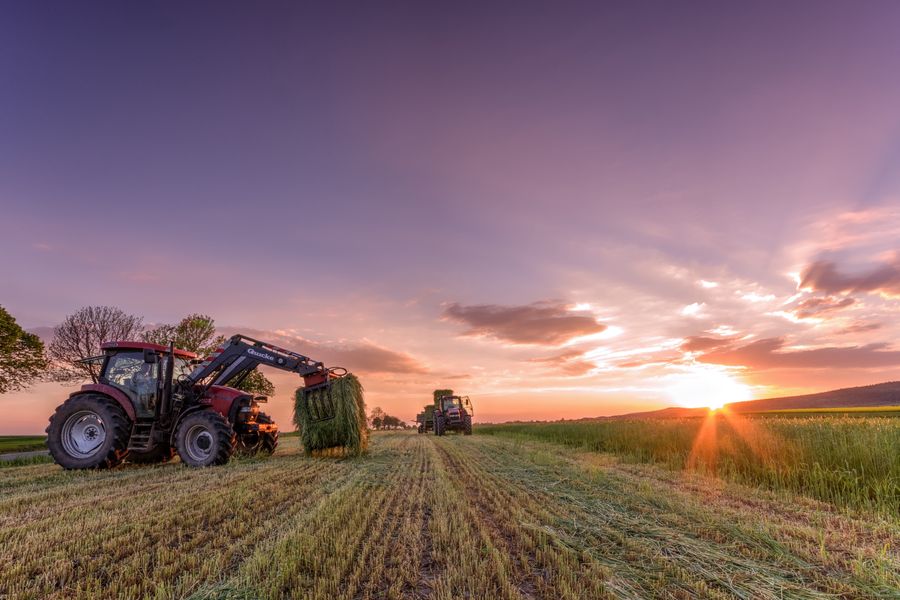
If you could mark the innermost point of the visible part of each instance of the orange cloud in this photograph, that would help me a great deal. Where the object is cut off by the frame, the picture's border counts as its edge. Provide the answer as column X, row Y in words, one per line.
column 546, row 323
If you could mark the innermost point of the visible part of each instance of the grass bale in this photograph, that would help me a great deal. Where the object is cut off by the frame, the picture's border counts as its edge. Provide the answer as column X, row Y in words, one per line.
column 439, row 393
column 344, row 435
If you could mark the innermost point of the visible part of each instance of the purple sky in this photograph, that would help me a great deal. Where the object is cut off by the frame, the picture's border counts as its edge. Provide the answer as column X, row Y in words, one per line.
column 560, row 210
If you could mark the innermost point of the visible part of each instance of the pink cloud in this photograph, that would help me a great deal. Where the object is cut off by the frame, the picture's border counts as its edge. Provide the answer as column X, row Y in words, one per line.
column 548, row 323
column 359, row 357
column 824, row 276
column 817, row 307
column 567, row 363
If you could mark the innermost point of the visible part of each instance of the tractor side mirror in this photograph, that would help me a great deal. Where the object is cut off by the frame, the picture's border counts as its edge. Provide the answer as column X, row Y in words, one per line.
column 150, row 357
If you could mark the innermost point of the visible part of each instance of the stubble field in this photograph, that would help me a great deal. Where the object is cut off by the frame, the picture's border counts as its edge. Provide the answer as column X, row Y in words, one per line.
column 426, row 517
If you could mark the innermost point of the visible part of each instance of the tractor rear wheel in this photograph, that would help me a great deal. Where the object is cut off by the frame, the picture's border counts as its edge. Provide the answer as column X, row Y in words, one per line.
column 204, row 438
column 467, row 425
column 158, row 454
column 88, row 431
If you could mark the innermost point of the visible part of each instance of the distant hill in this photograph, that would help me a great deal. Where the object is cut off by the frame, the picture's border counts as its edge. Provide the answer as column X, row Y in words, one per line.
column 881, row 394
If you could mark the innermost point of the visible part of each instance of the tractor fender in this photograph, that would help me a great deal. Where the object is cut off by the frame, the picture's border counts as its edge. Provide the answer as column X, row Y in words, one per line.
column 227, row 401
column 108, row 390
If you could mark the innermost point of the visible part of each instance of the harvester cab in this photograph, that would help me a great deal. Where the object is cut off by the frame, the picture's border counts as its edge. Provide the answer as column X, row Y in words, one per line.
column 453, row 413
column 151, row 401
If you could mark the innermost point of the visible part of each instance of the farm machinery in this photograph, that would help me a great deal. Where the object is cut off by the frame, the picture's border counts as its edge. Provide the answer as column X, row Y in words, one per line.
column 452, row 413
column 425, row 419
column 151, row 402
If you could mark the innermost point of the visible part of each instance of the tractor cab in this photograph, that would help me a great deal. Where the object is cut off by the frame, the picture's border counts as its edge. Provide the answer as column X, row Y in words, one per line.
column 137, row 370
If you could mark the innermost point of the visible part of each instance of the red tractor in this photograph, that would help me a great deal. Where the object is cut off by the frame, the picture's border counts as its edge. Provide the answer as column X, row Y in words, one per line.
column 453, row 413
column 151, row 402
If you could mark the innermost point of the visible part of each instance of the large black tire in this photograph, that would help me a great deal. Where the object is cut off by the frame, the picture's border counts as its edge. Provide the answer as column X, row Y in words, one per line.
column 438, row 425
column 204, row 438
column 89, row 431
column 158, row 454
column 467, row 425
column 250, row 444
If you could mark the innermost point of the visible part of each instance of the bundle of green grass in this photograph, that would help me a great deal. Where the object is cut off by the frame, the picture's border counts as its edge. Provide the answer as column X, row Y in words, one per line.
column 344, row 435
column 439, row 393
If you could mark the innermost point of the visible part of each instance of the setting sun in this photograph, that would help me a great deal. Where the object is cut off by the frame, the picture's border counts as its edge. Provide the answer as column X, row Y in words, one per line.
column 708, row 386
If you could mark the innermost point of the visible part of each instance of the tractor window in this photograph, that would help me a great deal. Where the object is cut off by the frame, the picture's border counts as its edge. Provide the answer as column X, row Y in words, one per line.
column 182, row 368
column 129, row 372
column 451, row 403
column 123, row 367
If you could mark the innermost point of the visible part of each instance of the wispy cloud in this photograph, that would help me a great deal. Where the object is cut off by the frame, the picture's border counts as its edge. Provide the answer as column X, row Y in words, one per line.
column 825, row 276
column 816, row 307
column 361, row 356
column 770, row 353
column 546, row 323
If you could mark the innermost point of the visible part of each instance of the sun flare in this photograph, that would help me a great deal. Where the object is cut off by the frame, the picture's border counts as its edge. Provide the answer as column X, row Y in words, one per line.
column 707, row 386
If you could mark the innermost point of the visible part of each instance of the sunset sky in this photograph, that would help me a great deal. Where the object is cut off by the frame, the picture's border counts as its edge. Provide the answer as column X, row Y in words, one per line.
column 561, row 211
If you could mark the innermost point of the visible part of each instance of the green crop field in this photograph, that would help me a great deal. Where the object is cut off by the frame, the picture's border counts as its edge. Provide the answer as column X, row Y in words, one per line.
column 847, row 461
column 486, row 516
column 22, row 443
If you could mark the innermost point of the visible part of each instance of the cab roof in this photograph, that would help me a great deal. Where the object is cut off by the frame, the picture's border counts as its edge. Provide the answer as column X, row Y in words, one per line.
column 145, row 346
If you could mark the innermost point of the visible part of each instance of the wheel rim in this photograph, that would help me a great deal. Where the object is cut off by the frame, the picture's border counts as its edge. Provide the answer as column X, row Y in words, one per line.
column 200, row 443
column 83, row 434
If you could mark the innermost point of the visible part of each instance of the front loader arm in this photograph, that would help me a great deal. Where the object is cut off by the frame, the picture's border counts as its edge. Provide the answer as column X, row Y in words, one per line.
column 241, row 354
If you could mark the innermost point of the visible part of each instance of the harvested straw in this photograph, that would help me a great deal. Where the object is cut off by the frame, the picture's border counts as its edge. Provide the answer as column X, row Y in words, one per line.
column 346, row 434
column 439, row 393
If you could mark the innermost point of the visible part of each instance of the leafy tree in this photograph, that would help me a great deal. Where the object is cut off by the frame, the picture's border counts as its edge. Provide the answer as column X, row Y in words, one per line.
column 390, row 422
column 79, row 337
column 197, row 333
column 376, row 417
column 22, row 357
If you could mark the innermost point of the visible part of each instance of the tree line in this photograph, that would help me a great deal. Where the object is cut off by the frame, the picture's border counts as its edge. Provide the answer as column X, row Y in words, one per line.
column 381, row 420
column 24, row 359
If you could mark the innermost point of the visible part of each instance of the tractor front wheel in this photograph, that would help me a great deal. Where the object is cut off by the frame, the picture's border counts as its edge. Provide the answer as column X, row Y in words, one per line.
column 204, row 438
column 88, row 431
column 439, row 426
column 467, row 425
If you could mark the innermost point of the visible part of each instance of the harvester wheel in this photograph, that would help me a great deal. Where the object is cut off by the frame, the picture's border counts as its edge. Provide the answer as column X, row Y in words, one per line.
column 158, row 454
column 204, row 438
column 88, row 431
column 467, row 425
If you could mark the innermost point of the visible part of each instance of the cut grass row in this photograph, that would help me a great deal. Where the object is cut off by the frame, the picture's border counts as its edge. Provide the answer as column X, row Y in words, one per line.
column 427, row 517
column 848, row 461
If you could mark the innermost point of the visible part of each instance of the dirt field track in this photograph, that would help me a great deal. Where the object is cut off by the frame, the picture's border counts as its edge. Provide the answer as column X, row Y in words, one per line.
column 422, row 517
